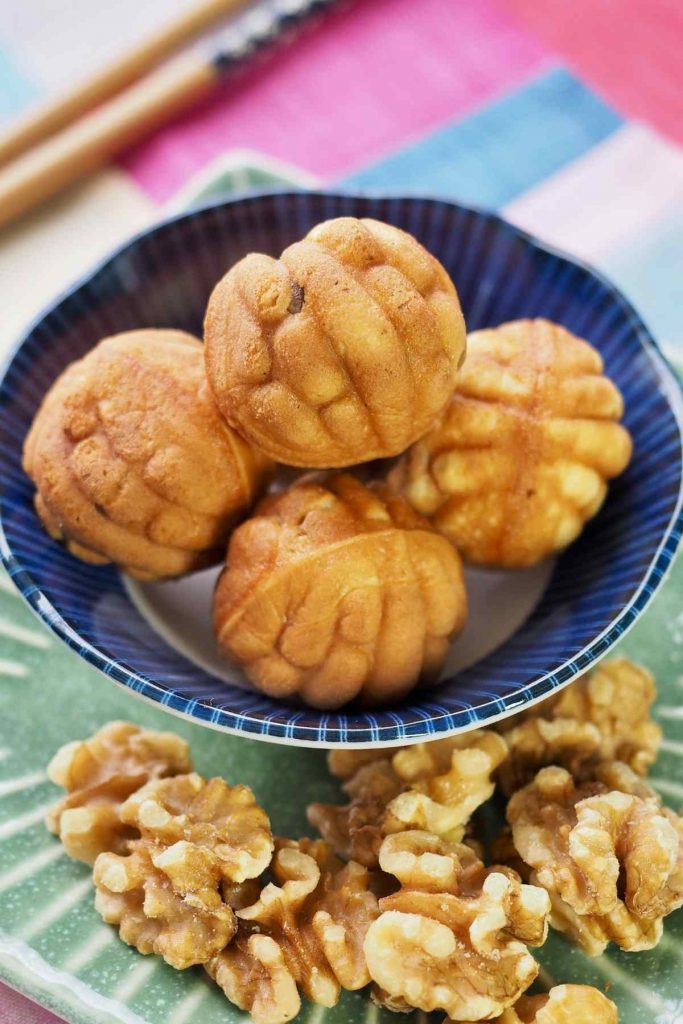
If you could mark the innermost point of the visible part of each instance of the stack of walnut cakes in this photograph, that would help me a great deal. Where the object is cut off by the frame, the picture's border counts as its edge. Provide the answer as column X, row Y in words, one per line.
column 153, row 451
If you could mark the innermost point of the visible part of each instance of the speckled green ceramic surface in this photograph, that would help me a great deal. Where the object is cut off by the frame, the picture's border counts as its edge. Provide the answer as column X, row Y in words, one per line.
column 54, row 947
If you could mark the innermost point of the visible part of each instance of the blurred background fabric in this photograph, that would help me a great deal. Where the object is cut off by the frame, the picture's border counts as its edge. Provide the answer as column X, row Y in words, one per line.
column 15, row 1009
column 490, row 98
column 565, row 115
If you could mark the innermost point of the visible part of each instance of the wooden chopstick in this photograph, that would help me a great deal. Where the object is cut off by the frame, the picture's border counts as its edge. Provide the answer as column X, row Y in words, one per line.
column 93, row 141
column 137, row 111
column 56, row 114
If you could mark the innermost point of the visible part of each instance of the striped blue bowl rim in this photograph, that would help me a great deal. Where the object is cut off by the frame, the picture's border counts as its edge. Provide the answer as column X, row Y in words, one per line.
column 522, row 670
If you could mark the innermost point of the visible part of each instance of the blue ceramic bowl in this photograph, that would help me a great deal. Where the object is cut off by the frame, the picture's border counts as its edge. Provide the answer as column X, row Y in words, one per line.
column 595, row 591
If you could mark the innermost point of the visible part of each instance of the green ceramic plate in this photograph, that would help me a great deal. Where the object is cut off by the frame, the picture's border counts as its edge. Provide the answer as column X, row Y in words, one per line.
column 54, row 947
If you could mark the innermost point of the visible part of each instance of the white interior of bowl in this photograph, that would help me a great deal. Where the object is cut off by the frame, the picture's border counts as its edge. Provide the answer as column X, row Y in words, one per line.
column 180, row 612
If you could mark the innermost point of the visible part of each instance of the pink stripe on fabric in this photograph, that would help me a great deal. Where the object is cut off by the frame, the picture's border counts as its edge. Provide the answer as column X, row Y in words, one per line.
column 629, row 50
column 16, row 1009
column 362, row 82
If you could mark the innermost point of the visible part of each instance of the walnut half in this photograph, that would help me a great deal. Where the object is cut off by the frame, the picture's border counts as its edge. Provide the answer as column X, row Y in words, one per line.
column 202, row 844
column 99, row 774
column 455, row 936
column 564, row 1004
column 165, row 901
column 223, row 823
column 305, row 931
column 344, row 763
column 434, row 787
column 602, row 716
column 608, row 853
column 617, row 697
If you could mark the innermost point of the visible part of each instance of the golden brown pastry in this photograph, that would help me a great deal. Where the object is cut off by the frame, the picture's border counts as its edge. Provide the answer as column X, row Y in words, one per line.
column 520, row 460
column 132, row 461
column 332, row 592
column 343, row 350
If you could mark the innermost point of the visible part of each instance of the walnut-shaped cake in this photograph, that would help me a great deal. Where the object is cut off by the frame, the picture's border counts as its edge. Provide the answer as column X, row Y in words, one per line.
column 333, row 591
column 608, row 853
column 132, row 461
column 343, row 350
column 99, row 774
column 455, row 935
column 521, row 458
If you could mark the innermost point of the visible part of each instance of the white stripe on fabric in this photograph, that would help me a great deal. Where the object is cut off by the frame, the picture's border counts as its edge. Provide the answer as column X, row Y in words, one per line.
column 107, row 208
column 643, row 994
column 667, row 787
column 6, row 585
column 371, row 1014
column 672, row 945
column 598, row 202
column 674, row 747
column 74, row 994
column 188, row 1006
column 668, row 711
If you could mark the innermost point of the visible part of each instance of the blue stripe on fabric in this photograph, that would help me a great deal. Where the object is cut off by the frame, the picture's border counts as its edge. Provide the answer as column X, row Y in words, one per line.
column 503, row 149
column 16, row 91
